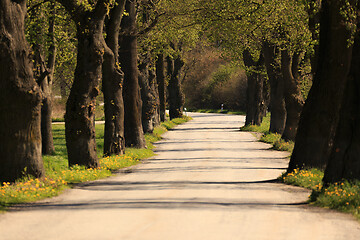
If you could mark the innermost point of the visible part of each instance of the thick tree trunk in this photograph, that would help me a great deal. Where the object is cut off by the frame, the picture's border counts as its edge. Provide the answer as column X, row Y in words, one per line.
column 44, row 70
column 277, row 101
column 80, row 107
column 134, row 135
column 20, row 98
column 44, row 79
column 344, row 161
column 319, row 117
column 113, row 77
column 176, row 97
column 46, row 119
column 149, row 96
column 46, row 87
column 255, row 106
column 292, row 92
column 160, row 77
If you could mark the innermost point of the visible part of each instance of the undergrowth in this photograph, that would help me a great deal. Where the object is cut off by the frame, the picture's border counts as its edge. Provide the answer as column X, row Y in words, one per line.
column 343, row 196
column 59, row 176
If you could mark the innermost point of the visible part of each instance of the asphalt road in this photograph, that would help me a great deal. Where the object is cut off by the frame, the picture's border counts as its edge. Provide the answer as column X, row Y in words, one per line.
column 208, row 181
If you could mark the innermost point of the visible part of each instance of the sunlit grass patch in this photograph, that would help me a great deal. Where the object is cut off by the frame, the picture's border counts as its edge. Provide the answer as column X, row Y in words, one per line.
column 30, row 189
column 78, row 174
column 113, row 163
column 263, row 128
column 307, row 178
column 267, row 137
column 277, row 142
column 270, row 137
column 343, row 196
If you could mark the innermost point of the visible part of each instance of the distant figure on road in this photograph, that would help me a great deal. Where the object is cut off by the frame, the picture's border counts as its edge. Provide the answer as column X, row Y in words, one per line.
column 222, row 106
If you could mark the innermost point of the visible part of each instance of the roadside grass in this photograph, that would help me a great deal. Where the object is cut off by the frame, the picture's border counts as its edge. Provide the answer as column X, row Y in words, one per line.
column 343, row 196
column 307, row 178
column 267, row 137
column 59, row 176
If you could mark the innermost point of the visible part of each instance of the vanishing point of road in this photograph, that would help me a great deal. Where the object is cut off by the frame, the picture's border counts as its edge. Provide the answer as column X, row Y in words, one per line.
column 208, row 181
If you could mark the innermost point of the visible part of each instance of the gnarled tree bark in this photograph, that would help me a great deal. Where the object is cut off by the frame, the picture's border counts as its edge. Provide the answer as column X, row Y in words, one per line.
column 112, row 85
column 20, row 98
column 80, row 107
column 293, row 98
column 176, row 97
column 160, row 78
column 149, row 96
column 134, row 134
column 255, row 105
column 344, row 162
column 319, row 117
column 277, row 101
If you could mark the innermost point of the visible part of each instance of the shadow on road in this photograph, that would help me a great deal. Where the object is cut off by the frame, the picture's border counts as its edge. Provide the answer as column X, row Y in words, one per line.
column 163, row 203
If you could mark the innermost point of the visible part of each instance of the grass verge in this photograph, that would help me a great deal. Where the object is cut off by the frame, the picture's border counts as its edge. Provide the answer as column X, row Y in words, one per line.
column 267, row 137
column 343, row 196
column 59, row 176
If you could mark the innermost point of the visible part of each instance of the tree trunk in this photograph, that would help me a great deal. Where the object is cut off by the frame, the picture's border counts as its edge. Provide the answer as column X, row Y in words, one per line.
column 80, row 106
column 154, row 89
column 160, row 77
column 255, row 106
column 344, row 162
column 319, row 117
column 44, row 69
column 176, row 97
column 149, row 97
column 46, row 119
column 113, row 77
column 292, row 92
column 134, row 135
column 46, row 87
column 20, row 98
column 277, row 101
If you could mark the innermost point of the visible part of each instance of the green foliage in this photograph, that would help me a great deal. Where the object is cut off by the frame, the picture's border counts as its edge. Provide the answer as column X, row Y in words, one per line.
column 240, row 24
column 217, row 80
column 174, row 32
column 36, row 29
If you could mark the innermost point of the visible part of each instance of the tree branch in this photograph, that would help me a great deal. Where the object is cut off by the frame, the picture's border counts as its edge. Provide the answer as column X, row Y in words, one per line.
column 150, row 26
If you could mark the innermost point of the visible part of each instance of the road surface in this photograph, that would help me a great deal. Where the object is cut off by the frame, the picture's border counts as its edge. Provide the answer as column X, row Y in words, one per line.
column 208, row 181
